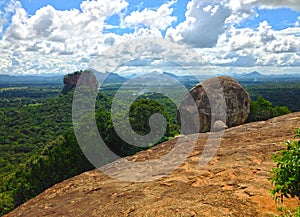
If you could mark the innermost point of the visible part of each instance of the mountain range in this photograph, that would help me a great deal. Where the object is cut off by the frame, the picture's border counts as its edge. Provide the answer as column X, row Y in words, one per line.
column 259, row 77
column 111, row 78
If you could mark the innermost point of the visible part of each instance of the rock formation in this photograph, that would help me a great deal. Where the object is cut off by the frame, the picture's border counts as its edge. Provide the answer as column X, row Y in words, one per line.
column 234, row 183
column 220, row 99
column 87, row 79
column 219, row 125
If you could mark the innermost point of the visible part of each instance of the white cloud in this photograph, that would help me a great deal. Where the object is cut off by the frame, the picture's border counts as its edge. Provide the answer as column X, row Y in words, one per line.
column 204, row 23
column 297, row 24
column 52, row 34
column 9, row 8
column 264, row 47
column 64, row 41
column 207, row 20
column 142, row 52
column 242, row 4
column 288, row 44
column 17, row 29
column 158, row 19
column 109, row 40
column 2, row 22
column 265, row 32
column 56, row 25
column 209, row 27
column 294, row 4
column 103, row 8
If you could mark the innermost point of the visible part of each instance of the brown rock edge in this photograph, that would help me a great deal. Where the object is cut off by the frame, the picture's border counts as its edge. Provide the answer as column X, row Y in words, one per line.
column 234, row 183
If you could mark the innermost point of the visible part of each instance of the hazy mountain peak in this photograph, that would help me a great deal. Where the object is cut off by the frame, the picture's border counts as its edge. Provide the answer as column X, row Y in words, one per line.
column 254, row 74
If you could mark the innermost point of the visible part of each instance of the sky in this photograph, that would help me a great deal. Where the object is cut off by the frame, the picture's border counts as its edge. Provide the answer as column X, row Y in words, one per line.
column 130, row 36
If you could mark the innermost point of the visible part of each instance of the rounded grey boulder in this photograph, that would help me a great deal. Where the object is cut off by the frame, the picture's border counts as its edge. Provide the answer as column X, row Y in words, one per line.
column 221, row 102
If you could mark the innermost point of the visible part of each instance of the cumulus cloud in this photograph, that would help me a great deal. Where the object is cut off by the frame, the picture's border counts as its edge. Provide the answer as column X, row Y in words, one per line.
column 263, row 46
column 9, row 8
column 295, row 4
column 265, row 32
column 98, row 9
column 141, row 53
column 204, row 23
column 52, row 40
column 297, row 24
column 56, row 34
column 246, row 4
column 70, row 36
column 288, row 44
column 158, row 19
column 2, row 20
column 207, row 20
column 57, row 25
column 209, row 27
column 110, row 40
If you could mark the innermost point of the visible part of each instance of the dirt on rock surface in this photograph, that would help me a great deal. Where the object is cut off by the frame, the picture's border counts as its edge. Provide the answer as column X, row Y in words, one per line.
column 234, row 183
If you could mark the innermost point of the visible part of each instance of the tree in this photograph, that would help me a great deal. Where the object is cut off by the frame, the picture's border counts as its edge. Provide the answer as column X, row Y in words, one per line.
column 262, row 109
column 59, row 160
column 286, row 176
column 139, row 114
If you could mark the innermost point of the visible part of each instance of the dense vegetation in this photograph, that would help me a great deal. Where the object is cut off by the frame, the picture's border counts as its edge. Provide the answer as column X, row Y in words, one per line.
column 58, row 160
column 25, row 129
column 139, row 114
column 262, row 109
column 286, row 176
column 16, row 96
column 38, row 147
column 279, row 93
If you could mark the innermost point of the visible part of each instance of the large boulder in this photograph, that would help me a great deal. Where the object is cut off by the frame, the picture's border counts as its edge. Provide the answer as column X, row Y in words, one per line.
column 88, row 79
column 221, row 102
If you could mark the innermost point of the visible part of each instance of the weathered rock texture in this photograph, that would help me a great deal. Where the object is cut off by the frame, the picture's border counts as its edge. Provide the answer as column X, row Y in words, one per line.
column 86, row 78
column 234, row 183
column 211, row 106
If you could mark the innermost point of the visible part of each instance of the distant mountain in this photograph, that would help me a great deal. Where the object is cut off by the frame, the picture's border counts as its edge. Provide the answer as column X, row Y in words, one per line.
column 165, row 79
column 114, row 78
column 254, row 74
column 154, row 78
column 130, row 76
column 109, row 77
column 259, row 77
column 30, row 79
column 286, row 75
column 170, row 74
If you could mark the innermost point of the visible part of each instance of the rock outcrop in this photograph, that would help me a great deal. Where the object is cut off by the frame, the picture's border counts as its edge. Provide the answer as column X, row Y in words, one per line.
column 234, row 183
column 220, row 99
column 86, row 78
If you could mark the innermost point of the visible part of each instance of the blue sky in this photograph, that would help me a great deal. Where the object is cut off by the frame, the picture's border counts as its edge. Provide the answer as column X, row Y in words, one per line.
column 32, row 5
column 53, row 36
column 279, row 18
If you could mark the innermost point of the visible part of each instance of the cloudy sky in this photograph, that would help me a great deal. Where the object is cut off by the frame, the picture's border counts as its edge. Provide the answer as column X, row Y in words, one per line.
column 54, row 36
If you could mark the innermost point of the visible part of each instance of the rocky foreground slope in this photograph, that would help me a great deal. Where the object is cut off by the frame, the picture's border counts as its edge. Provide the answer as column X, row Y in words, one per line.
column 234, row 183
